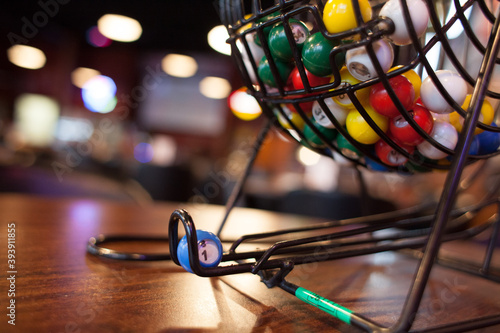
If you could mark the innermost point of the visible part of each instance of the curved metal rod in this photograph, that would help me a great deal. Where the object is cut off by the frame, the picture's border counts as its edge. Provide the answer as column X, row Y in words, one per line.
column 94, row 246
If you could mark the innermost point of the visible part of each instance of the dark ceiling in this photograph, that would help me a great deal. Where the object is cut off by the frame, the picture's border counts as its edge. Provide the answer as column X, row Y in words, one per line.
column 167, row 24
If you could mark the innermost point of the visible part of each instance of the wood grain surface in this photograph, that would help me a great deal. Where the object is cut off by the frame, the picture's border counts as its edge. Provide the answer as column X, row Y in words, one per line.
column 59, row 287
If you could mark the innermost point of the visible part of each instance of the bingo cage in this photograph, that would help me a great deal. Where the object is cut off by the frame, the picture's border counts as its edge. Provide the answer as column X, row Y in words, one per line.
column 344, row 79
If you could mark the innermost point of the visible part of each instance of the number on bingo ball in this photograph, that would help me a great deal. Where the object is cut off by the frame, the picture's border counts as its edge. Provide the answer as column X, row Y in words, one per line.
column 337, row 111
column 347, row 80
column 453, row 84
column 316, row 55
column 383, row 103
column 209, row 250
column 339, row 15
column 278, row 42
column 443, row 133
column 360, row 130
column 360, row 65
column 419, row 17
column 391, row 156
column 402, row 131
column 486, row 116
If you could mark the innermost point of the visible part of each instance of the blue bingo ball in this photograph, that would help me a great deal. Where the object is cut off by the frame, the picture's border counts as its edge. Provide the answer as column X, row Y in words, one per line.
column 209, row 250
column 488, row 141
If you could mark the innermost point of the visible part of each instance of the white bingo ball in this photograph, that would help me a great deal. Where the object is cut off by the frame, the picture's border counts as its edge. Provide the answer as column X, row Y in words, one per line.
column 360, row 65
column 445, row 134
column 419, row 16
column 454, row 85
column 338, row 112
column 257, row 54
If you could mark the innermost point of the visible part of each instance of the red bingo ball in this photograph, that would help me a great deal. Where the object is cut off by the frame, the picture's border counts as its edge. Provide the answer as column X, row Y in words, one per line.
column 313, row 80
column 391, row 156
column 382, row 102
column 402, row 131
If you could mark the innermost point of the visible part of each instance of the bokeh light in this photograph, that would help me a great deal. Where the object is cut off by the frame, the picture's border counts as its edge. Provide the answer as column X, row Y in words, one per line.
column 243, row 105
column 96, row 39
column 120, row 28
column 36, row 118
column 143, row 152
column 26, row 56
column 307, row 157
column 179, row 65
column 215, row 87
column 80, row 75
column 217, row 37
column 98, row 94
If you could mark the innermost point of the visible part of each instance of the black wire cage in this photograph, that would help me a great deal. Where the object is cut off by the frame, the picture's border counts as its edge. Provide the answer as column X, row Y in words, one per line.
column 380, row 41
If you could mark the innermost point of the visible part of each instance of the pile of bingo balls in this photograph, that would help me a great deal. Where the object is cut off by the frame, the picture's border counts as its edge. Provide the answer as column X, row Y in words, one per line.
column 323, row 82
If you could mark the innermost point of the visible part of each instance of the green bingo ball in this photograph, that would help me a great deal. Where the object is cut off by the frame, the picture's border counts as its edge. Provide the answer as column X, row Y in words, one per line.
column 316, row 55
column 346, row 148
column 266, row 75
column 278, row 42
column 266, row 29
column 329, row 133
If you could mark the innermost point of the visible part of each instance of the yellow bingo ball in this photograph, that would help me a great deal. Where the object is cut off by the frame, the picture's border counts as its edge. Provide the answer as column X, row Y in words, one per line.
column 413, row 77
column 360, row 130
column 293, row 117
column 339, row 16
column 347, row 79
column 486, row 116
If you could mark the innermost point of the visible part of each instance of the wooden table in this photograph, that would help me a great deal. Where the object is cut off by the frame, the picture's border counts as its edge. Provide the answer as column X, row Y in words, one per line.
column 60, row 288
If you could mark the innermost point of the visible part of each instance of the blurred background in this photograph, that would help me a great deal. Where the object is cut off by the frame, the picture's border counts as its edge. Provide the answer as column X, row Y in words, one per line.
column 127, row 100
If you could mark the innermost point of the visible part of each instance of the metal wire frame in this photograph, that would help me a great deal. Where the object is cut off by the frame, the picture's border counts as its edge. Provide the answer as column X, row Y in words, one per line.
column 460, row 159
column 369, row 32
column 348, row 238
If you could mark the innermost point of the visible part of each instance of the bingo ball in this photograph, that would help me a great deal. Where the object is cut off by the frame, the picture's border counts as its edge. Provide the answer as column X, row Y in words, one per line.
column 402, row 131
column 278, row 41
column 413, row 77
column 383, row 103
column 328, row 133
column 453, row 84
column 266, row 75
column 209, row 250
column 419, row 17
column 316, row 55
column 347, row 149
column 489, row 141
column 360, row 130
column 288, row 118
column 391, row 156
column 443, row 133
column 312, row 80
column 486, row 116
column 360, row 65
column 339, row 15
column 347, row 80
column 337, row 111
